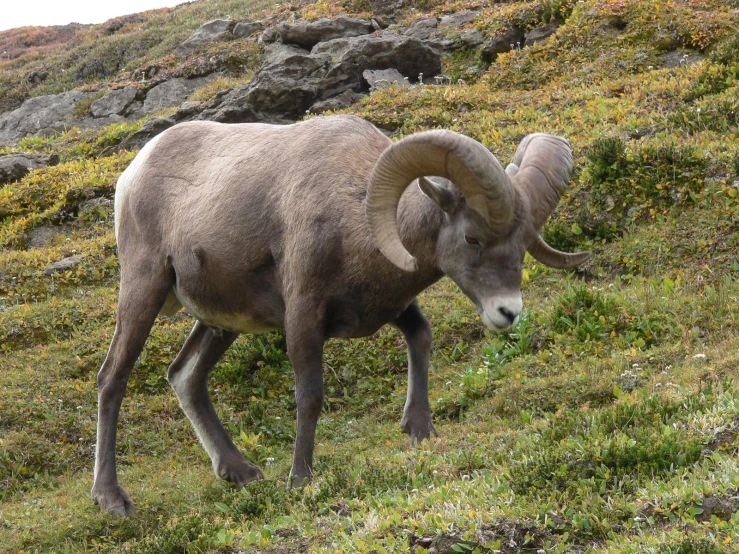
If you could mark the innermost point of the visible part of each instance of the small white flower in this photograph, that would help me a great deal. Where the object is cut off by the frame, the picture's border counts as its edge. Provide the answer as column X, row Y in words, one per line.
column 699, row 356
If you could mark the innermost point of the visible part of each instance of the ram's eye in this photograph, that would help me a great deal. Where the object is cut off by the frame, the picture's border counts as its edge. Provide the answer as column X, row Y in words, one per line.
column 471, row 240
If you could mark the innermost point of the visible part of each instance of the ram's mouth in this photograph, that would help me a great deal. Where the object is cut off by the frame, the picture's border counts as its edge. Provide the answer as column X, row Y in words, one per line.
column 490, row 324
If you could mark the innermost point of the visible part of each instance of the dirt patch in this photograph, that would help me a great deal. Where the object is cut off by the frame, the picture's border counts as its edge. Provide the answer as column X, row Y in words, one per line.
column 677, row 58
column 41, row 236
column 726, row 438
column 723, row 507
column 507, row 536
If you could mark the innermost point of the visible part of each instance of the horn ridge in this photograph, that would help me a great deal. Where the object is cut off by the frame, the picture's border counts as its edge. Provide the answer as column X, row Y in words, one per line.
column 552, row 257
column 545, row 166
column 468, row 164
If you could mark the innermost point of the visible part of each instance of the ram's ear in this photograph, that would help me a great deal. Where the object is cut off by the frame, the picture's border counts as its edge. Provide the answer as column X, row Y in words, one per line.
column 441, row 195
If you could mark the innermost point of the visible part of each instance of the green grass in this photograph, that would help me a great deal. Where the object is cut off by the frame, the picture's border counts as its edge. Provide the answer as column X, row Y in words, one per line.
column 603, row 423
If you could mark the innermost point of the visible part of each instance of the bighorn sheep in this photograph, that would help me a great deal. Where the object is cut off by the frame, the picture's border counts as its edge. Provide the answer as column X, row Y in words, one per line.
column 312, row 227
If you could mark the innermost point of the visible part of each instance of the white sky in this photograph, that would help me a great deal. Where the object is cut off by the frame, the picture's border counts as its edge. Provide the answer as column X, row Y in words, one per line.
column 21, row 13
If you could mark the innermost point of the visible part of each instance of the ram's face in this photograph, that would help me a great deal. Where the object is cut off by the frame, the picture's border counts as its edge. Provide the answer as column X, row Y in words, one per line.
column 487, row 266
column 491, row 216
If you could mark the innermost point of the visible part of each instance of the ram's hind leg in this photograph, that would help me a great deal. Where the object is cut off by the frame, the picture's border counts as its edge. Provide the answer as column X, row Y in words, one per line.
column 188, row 375
column 144, row 288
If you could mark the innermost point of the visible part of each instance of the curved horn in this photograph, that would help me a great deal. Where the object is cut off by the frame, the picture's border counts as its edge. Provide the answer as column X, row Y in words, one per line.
column 544, row 166
column 554, row 258
column 464, row 161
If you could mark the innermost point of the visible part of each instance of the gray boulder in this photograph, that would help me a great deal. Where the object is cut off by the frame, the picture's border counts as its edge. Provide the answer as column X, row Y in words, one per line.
column 542, row 33
column 14, row 167
column 43, row 114
column 407, row 55
column 343, row 100
column 246, row 28
column 459, row 19
column 212, row 31
column 63, row 265
column 472, row 38
column 443, row 33
column 114, row 102
column 171, row 93
column 136, row 140
column 307, row 35
column 43, row 235
column 503, row 43
column 292, row 79
column 269, row 36
column 422, row 29
column 383, row 78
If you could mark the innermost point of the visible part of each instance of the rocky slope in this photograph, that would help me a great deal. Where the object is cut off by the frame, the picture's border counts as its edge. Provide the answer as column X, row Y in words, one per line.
column 308, row 67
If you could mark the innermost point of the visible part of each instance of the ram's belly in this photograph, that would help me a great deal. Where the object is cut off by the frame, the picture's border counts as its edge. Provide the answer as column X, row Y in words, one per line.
column 226, row 296
column 220, row 317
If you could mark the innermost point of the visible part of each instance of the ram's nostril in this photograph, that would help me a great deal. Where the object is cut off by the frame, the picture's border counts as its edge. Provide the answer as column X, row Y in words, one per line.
column 507, row 314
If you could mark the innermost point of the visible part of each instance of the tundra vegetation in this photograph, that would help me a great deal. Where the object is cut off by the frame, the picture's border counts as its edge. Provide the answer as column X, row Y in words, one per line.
column 605, row 421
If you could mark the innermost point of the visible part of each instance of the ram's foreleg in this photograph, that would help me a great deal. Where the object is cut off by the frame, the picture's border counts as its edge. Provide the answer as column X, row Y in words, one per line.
column 305, row 334
column 416, row 329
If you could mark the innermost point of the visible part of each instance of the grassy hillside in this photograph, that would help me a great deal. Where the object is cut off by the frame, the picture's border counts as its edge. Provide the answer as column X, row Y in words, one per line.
column 606, row 421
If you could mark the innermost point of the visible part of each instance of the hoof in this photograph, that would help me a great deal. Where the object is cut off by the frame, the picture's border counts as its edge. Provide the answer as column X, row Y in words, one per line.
column 419, row 426
column 295, row 481
column 114, row 500
column 238, row 470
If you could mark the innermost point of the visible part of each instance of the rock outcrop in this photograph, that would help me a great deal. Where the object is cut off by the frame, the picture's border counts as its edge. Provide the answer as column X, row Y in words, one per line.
column 14, row 167
column 63, row 265
column 542, row 33
column 307, row 35
column 444, row 33
column 422, row 29
column 114, row 102
column 215, row 30
column 171, row 93
column 212, row 31
column 246, row 28
column 383, row 78
column 511, row 38
column 293, row 80
column 43, row 114
column 308, row 67
column 458, row 20
column 39, row 237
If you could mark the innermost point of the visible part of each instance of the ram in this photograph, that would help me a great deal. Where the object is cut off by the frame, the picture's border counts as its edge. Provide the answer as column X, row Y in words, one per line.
column 313, row 228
